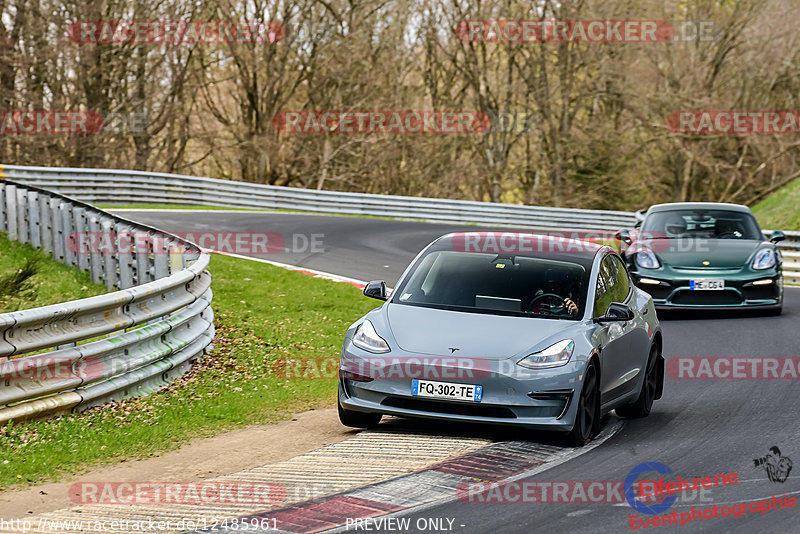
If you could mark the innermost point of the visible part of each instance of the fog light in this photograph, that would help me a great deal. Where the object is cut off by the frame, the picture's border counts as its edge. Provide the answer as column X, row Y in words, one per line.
column 762, row 282
column 649, row 281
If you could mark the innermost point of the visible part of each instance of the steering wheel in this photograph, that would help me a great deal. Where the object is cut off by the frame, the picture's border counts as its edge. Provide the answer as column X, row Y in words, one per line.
column 727, row 235
column 550, row 296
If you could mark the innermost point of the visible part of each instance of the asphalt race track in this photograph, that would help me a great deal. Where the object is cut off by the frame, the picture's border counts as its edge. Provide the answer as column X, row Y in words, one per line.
column 701, row 427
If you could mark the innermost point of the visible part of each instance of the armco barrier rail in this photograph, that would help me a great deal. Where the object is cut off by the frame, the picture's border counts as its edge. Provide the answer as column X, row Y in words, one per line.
column 125, row 187
column 157, row 321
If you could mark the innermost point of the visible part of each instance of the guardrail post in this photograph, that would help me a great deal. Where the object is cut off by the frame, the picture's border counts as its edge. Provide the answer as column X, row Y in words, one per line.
column 79, row 216
column 45, row 224
column 34, row 224
column 160, row 257
column 94, row 241
column 110, row 253
column 2, row 207
column 127, row 274
column 144, row 246
column 22, row 216
column 11, row 212
column 69, row 238
column 176, row 259
column 56, row 230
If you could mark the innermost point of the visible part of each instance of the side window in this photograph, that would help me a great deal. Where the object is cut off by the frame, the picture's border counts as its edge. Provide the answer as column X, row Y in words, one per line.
column 612, row 284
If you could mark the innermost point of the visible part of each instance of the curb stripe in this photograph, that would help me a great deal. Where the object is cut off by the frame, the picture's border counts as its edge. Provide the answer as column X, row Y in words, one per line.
column 498, row 462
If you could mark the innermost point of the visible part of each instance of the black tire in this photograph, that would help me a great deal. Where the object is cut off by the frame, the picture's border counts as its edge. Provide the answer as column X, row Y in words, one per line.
column 587, row 419
column 358, row 419
column 644, row 403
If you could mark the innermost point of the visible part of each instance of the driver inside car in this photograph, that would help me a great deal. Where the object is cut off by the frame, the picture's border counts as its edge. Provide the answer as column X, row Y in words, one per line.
column 555, row 283
column 724, row 228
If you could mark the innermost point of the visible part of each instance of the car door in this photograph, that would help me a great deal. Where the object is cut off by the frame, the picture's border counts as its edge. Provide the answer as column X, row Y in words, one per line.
column 613, row 340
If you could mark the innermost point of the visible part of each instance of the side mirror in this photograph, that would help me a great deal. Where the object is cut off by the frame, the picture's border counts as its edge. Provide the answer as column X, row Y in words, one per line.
column 376, row 289
column 616, row 313
column 777, row 236
column 624, row 236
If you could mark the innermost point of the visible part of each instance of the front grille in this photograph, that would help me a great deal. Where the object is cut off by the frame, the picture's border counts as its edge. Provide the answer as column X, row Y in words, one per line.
column 707, row 298
column 476, row 409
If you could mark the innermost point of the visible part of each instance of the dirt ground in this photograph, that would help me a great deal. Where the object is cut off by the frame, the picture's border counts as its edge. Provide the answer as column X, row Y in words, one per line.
column 198, row 460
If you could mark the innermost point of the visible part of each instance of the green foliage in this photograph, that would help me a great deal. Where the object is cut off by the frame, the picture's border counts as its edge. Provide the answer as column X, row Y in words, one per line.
column 780, row 210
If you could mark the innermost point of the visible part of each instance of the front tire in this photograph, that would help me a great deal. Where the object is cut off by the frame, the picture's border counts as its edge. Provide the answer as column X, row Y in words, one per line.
column 587, row 419
column 644, row 403
column 358, row 419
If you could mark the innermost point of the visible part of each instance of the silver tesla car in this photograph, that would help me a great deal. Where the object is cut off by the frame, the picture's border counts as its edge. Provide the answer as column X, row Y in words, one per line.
column 505, row 328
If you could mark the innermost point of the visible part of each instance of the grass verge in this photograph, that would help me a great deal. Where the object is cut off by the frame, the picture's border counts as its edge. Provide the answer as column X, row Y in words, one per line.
column 51, row 283
column 264, row 315
column 779, row 211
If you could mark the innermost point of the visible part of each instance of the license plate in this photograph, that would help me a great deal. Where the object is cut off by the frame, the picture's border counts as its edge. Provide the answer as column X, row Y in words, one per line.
column 707, row 284
column 446, row 390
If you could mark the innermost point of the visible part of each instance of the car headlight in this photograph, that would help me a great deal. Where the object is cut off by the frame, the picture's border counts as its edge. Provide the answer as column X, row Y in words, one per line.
column 555, row 355
column 765, row 258
column 368, row 339
column 647, row 260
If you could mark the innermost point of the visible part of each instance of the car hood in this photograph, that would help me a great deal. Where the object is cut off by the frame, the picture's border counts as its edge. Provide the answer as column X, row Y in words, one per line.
column 493, row 337
column 719, row 253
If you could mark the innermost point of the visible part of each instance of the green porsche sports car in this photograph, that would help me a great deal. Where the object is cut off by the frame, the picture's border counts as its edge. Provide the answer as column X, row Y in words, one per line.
column 705, row 254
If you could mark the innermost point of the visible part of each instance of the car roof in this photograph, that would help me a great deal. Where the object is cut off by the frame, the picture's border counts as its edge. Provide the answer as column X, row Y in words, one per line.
column 698, row 205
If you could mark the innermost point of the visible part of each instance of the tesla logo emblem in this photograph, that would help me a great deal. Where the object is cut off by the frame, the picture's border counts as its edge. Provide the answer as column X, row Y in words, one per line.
column 453, row 349
column 706, row 262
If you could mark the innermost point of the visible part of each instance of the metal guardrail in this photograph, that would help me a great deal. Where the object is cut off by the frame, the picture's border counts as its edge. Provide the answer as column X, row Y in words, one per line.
column 125, row 187
column 157, row 322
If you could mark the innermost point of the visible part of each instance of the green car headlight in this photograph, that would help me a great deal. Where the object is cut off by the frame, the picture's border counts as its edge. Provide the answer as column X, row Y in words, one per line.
column 764, row 259
column 647, row 260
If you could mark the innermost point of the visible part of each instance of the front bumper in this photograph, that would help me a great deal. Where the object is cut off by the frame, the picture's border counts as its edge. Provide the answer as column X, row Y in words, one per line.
column 543, row 399
column 673, row 290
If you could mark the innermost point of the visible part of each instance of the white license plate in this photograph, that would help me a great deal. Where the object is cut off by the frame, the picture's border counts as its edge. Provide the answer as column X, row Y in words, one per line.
column 446, row 390
column 707, row 284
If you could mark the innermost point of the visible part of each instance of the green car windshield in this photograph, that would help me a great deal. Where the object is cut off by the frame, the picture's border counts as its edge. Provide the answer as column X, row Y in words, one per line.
column 502, row 284
column 705, row 224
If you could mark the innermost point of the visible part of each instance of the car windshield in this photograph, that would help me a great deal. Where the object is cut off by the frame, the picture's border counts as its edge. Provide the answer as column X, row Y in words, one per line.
column 500, row 284
column 707, row 224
